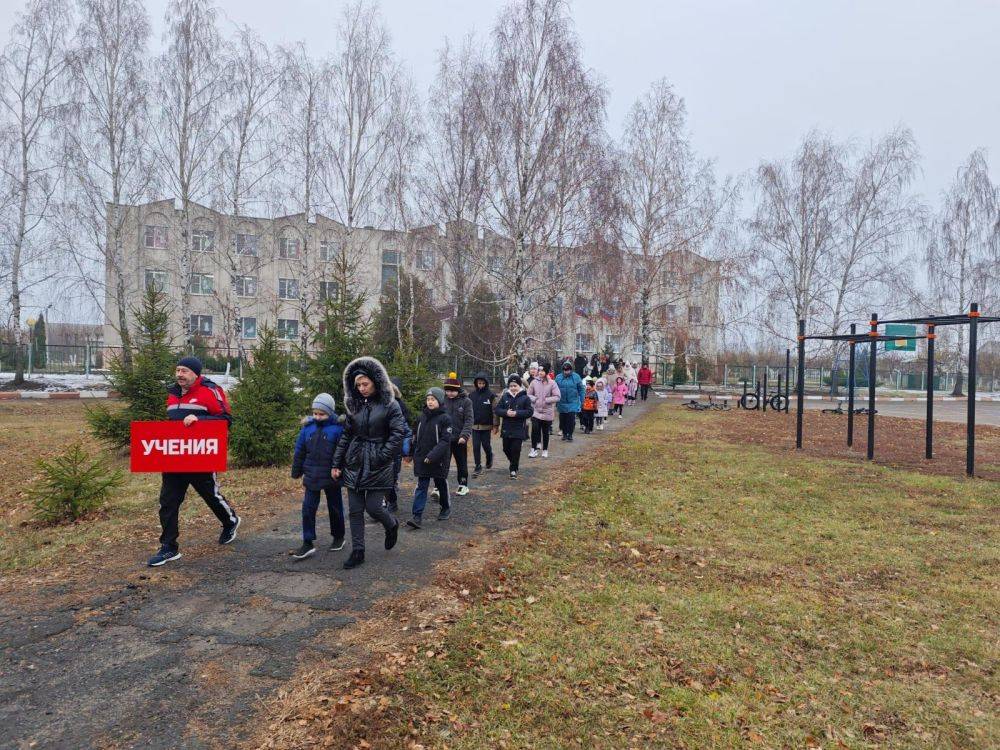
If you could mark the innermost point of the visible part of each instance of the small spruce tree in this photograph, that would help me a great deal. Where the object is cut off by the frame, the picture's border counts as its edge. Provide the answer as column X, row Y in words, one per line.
column 680, row 374
column 342, row 335
column 41, row 350
column 265, row 407
column 73, row 485
column 142, row 385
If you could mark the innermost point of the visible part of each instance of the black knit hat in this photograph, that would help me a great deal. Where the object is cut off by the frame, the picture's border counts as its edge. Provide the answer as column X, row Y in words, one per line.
column 192, row 363
column 514, row 378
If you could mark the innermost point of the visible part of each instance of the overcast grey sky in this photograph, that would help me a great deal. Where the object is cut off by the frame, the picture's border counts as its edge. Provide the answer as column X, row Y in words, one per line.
column 756, row 74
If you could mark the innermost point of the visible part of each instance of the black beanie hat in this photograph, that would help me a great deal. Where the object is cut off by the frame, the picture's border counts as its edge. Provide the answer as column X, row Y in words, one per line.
column 192, row 363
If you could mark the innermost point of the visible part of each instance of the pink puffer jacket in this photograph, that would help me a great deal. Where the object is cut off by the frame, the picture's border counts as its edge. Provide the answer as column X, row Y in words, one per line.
column 544, row 395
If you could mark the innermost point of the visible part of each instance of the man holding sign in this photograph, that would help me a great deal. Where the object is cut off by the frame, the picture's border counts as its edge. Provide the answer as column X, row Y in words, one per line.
column 192, row 399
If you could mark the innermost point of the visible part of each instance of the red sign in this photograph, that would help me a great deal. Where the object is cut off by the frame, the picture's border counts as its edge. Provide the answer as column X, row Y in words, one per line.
column 172, row 447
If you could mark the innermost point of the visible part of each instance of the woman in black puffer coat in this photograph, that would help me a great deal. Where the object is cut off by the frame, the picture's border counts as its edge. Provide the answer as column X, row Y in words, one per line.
column 366, row 454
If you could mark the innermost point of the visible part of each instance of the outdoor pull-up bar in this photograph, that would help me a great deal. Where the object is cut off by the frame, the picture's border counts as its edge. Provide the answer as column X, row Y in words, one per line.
column 973, row 318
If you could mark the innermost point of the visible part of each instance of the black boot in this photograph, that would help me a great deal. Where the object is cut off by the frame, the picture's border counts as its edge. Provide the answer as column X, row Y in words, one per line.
column 391, row 535
column 357, row 557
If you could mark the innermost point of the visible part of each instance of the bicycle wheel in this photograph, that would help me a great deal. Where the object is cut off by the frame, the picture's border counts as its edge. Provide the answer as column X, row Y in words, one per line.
column 721, row 407
column 833, row 411
column 778, row 401
column 748, row 401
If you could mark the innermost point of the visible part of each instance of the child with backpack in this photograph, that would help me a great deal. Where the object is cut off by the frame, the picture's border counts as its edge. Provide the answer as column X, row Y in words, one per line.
column 431, row 456
column 589, row 410
column 313, row 462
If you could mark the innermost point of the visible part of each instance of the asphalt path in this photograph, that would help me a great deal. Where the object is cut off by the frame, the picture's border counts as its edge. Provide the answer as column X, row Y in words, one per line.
column 181, row 659
column 987, row 412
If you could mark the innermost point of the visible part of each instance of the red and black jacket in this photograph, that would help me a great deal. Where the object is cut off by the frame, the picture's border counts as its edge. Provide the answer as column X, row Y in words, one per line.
column 204, row 399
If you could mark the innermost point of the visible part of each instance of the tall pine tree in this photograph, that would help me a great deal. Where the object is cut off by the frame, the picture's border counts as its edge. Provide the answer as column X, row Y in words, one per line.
column 143, row 386
column 266, row 407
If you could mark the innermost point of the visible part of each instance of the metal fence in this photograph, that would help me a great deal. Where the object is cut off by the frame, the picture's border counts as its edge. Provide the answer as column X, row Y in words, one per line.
column 834, row 379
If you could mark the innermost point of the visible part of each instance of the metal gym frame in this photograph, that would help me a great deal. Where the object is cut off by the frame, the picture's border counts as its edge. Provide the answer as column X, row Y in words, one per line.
column 972, row 318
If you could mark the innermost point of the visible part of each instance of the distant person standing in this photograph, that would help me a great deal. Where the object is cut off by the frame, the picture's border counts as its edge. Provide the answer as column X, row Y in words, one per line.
column 191, row 399
column 580, row 364
column 645, row 377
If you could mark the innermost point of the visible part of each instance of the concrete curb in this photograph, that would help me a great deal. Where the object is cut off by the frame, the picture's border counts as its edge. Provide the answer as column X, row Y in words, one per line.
column 56, row 395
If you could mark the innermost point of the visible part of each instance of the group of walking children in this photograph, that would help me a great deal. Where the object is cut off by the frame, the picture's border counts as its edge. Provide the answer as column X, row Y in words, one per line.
column 364, row 449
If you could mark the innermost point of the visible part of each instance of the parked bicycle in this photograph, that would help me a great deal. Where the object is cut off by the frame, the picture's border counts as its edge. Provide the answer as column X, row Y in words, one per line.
column 841, row 410
column 711, row 404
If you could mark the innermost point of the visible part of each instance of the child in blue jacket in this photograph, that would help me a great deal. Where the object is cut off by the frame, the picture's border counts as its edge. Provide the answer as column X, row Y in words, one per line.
column 313, row 462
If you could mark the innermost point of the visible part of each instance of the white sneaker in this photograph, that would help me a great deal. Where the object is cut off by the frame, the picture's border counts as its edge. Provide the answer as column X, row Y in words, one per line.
column 533, row 453
column 620, row 416
column 600, row 426
column 545, row 454
column 462, row 490
column 435, row 493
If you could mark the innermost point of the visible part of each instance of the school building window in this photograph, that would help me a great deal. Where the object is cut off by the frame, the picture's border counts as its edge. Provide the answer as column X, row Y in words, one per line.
column 202, row 240
column 245, row 286
column 694, row 346
column 288, row 248
column 202, row 283
column 201, row 325
column 156, row 280
column 247, row 244
column 288, row 329
column 154, row 237
column 328, row 250
column 665, row 346
column 694, row 314
column 425, row 259
column 390, row 268
column 248, row 328
column 329, row 290
column 288, row 288
column 584, row 342
column 614, row 342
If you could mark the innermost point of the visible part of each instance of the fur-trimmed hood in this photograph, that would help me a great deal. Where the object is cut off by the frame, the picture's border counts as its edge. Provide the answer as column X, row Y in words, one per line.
column 373, row 369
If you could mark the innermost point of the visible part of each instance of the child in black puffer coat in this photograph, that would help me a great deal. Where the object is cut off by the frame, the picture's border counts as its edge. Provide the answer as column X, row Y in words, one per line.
column 431, row 456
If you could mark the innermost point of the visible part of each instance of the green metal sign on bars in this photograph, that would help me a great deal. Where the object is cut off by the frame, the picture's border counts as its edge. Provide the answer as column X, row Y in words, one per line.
column 901, row 345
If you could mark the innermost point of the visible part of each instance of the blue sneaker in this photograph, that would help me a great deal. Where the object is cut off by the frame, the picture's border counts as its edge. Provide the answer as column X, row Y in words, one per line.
column 229, row 534
column 164, row 556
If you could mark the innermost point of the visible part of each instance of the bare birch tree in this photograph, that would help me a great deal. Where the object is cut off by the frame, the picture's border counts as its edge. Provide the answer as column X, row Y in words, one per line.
column 190, row 88
column 247, row 162
column 108, row 153
column 304, row 110
column 668, row 208
column 366, row 86
column 961, row 248
column 451, row 184
column 32, row 96
column 795, row 230
column 533, row 85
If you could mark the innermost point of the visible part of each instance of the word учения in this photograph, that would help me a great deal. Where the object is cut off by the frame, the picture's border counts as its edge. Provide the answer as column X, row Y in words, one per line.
column 182, row 447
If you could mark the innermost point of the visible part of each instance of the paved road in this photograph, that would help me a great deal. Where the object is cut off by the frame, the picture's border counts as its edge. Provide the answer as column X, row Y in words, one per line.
column 173, row 663
column 987, row 412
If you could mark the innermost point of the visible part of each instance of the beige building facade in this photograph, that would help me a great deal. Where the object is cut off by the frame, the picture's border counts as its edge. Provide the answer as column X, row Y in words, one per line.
column 246, row 272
